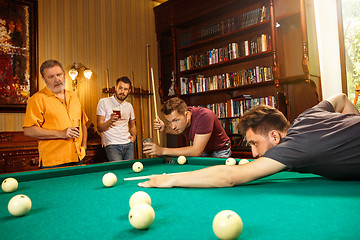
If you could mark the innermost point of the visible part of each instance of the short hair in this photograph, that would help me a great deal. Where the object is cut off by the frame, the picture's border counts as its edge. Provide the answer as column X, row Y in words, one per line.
column 262, row 119
column 174, row 104
column 49, row 64
column 124, row 80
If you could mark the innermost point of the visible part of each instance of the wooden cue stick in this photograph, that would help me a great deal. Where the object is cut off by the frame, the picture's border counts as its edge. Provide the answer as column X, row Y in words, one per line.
column 148, row 87
column 147, row 177
column 137, row 150
column 107, row 82
column 155, row 105
column 142, row 123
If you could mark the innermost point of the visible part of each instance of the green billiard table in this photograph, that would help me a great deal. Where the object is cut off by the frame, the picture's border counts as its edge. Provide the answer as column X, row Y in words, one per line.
column 72, row 203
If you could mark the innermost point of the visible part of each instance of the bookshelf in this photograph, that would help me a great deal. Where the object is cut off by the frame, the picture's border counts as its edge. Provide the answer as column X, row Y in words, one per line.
column 223, row 55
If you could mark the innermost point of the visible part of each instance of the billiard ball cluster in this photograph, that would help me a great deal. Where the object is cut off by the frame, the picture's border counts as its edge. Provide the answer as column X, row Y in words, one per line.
column 20, row 204
column 141, row 214
column 232, row 161
column 226, row 224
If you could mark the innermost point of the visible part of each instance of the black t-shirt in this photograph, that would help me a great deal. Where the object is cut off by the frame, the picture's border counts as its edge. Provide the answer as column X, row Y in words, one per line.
column 322, row 142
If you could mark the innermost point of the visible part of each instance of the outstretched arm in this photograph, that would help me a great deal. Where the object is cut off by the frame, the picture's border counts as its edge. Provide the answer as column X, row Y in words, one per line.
column 218, row 176
column 197, row 148
column 342, row 104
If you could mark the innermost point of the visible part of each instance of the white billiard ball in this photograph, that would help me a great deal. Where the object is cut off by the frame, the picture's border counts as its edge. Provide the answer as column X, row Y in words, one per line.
column 227, row 224
column 230, row 161
column 19, row 205
column 139, row 197
column 9, row 185
column 137, row 167
column 181, row 160
column 243, row 161
column 109, row 179
column 141, row 216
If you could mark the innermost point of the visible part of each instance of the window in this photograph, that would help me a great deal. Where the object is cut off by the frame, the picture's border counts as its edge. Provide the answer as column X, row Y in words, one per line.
column 351, row 27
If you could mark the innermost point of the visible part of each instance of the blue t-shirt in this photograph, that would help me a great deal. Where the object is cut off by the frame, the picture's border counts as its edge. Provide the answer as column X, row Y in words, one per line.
column 322, row 142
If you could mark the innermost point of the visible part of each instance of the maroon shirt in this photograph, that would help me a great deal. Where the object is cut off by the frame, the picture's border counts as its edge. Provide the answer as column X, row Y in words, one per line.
column 204, row 121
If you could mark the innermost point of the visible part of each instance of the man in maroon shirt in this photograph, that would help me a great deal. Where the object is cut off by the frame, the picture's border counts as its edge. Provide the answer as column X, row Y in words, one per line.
column 199, row 125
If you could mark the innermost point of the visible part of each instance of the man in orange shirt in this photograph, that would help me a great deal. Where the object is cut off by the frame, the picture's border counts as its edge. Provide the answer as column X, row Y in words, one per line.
column 55, row 117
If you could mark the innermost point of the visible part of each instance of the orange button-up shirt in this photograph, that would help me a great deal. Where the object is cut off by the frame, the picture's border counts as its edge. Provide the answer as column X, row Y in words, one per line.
column 46, row 110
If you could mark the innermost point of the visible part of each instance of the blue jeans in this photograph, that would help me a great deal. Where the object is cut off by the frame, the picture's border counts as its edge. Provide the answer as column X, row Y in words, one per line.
column 118, row 152
column 219, row 154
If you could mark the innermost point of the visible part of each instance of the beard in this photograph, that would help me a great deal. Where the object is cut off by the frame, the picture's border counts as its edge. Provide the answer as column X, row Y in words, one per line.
column 121, row 97
column 57, row 88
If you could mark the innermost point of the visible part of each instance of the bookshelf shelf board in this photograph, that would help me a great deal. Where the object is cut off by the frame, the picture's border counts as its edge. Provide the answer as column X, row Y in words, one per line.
column 228, row 62
column 255, row 27
column 234, row 134
column 227, row 118
column 241, row 149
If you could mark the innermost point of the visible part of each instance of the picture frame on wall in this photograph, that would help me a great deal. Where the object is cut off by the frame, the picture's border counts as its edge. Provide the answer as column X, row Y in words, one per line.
column 18, row 53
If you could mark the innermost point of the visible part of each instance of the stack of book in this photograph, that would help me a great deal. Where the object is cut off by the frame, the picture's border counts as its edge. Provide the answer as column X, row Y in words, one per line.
column 236, row 107
column 233, row 109
column 258, row 44
column 225, row 26
column 200, row 83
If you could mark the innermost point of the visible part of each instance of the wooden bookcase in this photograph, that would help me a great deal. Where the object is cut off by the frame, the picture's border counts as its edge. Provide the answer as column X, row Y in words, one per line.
column 214, row 52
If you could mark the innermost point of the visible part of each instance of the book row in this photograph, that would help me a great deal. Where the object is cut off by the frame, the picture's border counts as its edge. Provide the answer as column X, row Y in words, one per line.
column 200, row 83
column 210, row 31
column 232, row 51
column 235, row 108
column 226, row 26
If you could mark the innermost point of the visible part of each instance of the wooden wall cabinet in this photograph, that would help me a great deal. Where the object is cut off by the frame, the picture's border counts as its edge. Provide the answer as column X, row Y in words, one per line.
column 212, row 53
column 20, row 153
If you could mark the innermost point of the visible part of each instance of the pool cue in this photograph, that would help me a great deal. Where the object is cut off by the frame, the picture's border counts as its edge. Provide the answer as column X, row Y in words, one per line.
column 147, row 177
column 149, row 88
column 138, row 149
column 107, row 82
column 155, row 105
column 142, row 121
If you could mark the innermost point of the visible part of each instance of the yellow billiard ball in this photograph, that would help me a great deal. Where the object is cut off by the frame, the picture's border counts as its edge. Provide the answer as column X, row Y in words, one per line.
column 227, row 224
column 109, row 179
column 230, row 161
column 137, row 167
column 19, row 205
column 141, row 216
column 181, row 160
column 243, row 161
column 139, row 197
column 9, row 185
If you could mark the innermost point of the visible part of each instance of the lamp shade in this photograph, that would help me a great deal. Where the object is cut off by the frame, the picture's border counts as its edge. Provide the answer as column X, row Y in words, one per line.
column 87, row 73
column 73, row 73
